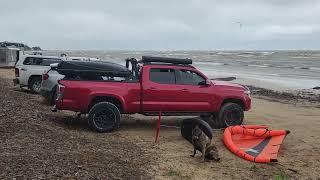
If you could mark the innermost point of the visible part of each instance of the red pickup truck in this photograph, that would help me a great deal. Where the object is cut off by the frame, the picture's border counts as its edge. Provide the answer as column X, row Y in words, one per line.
column 154, row 84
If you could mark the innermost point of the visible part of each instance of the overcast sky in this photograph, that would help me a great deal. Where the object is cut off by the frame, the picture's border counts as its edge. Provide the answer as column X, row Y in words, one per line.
column 162, row 24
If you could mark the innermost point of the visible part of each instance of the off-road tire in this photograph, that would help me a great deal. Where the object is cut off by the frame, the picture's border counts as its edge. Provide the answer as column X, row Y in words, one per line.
column 230, row 114
column 104, row 117
column 53, row 96
column 35, row 84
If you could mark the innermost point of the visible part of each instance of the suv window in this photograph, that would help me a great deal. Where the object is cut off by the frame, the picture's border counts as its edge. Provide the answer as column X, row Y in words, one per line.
column 40, row 61
column 188, row 77
column 162, row 76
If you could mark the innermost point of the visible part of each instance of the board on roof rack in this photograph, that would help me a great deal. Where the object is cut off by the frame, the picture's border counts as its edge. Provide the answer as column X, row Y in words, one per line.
column 152, row 59
column 72, row 68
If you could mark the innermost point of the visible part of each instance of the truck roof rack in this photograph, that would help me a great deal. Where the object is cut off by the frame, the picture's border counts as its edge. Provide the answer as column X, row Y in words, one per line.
column 167, row 60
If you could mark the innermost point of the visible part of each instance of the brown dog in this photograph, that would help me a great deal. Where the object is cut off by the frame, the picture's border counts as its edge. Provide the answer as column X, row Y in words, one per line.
column 202, row 143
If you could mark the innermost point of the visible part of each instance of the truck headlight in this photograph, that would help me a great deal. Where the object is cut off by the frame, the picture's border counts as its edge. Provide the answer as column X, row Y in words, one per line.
column 247, row 91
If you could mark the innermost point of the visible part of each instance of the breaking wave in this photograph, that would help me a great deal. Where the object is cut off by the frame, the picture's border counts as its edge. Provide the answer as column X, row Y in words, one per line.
column 210, row 63
column 243, row 53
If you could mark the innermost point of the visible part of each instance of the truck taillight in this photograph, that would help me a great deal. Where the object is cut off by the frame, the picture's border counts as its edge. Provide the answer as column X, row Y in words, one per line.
column 45, row 76
column 16, row 72
column 60, row 91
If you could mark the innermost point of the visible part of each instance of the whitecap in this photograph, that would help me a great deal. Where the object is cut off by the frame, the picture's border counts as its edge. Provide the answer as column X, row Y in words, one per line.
column 267, row 53
column 210, row 63
column 256, row 65
column 315, row 68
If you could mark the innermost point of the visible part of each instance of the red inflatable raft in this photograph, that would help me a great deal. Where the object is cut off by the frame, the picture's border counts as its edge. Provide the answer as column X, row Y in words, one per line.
column 254, row 143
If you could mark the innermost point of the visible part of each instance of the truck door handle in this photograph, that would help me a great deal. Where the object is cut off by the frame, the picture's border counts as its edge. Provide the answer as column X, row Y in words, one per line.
column 184, row 90
column 153, row 88
column 23, row 69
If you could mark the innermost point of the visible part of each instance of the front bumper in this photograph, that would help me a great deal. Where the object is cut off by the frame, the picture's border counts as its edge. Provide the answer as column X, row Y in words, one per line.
column 247, row 103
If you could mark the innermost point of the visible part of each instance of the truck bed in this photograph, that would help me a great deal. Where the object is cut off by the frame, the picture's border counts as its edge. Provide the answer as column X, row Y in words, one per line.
column 79, row 94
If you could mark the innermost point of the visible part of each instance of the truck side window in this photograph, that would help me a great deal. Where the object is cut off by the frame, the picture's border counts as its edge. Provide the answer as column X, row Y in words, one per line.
column 28, row 61
column 38, row 61
column 32, row 61
column 162, row 76
column 188, row 77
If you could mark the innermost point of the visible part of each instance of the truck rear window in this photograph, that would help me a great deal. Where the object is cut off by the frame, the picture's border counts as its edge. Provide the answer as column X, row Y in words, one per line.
column 162, row 76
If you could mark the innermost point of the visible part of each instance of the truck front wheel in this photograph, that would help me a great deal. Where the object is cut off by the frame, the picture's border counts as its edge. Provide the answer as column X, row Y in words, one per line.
column 230, row 114
column 104, row 117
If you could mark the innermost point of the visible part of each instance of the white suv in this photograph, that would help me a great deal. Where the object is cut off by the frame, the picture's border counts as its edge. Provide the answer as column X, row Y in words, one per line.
column 29, row 70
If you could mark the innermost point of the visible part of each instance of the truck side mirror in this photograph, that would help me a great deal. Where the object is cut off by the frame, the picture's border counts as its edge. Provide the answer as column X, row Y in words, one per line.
column 204, row 83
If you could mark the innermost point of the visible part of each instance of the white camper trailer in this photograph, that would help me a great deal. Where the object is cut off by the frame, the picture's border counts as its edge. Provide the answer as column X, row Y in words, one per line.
column 8, row 57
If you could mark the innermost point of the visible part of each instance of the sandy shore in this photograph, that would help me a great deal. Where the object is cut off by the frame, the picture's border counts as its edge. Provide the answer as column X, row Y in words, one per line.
column 37, row 143
column 298, row 158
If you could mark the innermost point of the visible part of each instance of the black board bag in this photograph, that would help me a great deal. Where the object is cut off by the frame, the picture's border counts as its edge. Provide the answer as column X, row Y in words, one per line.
column 188, row 124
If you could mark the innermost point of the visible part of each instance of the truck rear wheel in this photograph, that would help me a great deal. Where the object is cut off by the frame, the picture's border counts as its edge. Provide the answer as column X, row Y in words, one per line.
column 35, row 84
column 104, row 117
column 230, row 114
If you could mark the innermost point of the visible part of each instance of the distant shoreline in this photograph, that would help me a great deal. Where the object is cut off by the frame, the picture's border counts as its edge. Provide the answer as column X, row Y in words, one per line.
column 305, row 97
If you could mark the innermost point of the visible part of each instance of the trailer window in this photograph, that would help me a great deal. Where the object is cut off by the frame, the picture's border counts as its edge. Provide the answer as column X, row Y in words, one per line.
column 162, row 76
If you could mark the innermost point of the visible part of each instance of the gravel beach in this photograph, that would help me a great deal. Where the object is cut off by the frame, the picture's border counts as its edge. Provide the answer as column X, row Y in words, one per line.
column 37, row 144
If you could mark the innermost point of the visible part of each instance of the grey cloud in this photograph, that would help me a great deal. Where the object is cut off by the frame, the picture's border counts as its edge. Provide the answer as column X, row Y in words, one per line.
column 165, row 24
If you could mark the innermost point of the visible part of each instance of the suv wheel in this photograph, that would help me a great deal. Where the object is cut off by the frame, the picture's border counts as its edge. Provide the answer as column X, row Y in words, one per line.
column 230, row 114
column 104, row 117
column 35, row 84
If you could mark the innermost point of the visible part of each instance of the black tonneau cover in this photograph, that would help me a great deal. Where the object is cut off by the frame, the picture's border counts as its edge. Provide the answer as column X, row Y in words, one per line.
column 74, row 68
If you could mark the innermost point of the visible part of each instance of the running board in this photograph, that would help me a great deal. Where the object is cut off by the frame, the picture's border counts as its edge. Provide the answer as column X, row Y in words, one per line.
column 177, row 113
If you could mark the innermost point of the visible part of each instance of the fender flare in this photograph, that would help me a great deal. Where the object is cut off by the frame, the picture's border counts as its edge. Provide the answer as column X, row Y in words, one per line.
column 119, row 98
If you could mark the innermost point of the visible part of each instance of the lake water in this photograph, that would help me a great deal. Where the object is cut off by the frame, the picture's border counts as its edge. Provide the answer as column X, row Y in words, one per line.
column 269, row 69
